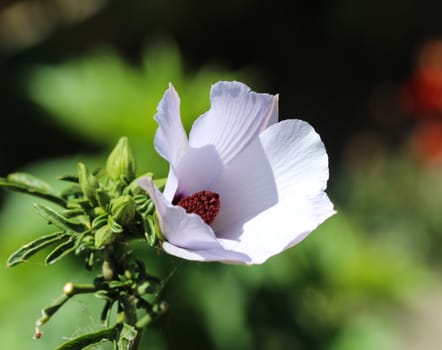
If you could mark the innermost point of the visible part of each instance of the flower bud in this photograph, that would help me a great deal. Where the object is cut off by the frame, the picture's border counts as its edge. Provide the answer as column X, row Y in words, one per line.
column 103, row 236
column 88, row 182
column 123, row 209
column 121, row 162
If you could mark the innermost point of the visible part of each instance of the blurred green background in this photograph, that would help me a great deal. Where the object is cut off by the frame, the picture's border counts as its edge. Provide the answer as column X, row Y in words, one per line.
column 77, row 75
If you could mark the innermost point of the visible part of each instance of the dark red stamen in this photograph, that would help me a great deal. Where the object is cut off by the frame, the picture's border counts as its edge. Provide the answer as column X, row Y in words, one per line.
column 204, row 203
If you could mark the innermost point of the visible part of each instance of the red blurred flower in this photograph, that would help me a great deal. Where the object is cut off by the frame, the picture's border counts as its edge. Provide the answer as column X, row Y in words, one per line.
column 422, row 94
column 426, row 141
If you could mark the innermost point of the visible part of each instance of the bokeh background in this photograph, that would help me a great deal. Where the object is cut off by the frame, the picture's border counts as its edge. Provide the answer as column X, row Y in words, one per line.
column 77, row 75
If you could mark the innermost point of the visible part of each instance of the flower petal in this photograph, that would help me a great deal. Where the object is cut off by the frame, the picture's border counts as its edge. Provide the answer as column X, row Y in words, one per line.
column 299, row 163
column 323, row 208
column 272, row 231
column 197, row 169
column 212, row 254
column 297, row 157
column 246, row 188
column 170, row 138
column 188, row 236
column 236, row 116
column 181, row 229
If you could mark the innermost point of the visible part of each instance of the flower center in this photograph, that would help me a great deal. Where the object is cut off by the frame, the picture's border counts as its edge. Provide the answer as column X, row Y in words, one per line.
column 204, row 203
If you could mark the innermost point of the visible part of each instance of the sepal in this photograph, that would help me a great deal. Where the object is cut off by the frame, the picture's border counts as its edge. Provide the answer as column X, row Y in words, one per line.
column 123, row 209
column 103, row 236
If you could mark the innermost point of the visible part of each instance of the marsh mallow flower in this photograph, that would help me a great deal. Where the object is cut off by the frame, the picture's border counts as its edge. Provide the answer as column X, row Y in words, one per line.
column 242, row 187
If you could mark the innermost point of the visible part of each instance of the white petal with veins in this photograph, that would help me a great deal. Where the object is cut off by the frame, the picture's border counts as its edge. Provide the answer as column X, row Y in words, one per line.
column 236, row 117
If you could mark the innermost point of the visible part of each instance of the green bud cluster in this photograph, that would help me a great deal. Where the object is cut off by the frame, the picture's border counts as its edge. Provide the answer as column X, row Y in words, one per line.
column 99, row 208
column 100, row 212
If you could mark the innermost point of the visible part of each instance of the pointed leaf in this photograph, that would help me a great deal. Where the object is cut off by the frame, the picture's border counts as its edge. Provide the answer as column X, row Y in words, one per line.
column 85, row 340
column 69, row 178
column 61, row 251
column 33, row 247
column 26, row 183
column 58, row 220
column 31, row 181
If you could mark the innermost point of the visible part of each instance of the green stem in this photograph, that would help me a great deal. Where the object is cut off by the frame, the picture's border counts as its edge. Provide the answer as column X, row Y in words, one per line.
column 130, row 314
column 69, row 291
column 112, row 265
column 130, row 311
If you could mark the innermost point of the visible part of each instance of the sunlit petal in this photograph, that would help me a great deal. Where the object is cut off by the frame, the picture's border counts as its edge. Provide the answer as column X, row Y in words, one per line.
column 236, row 117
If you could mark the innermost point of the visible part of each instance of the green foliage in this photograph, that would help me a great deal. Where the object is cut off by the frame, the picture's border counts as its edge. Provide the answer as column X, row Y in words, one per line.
column 96, row 209
column 101, row 218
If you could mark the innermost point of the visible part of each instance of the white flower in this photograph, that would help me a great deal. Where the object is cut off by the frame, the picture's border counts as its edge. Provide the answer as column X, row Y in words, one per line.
column 258, row 185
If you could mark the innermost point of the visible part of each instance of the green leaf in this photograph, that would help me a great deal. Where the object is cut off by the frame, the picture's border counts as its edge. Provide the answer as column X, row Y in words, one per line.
column 61, row 251
column 33, row 247
column 31, row 181
column 58, row 220
column 69, row 178
column 26, row 183
column 85, row 340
